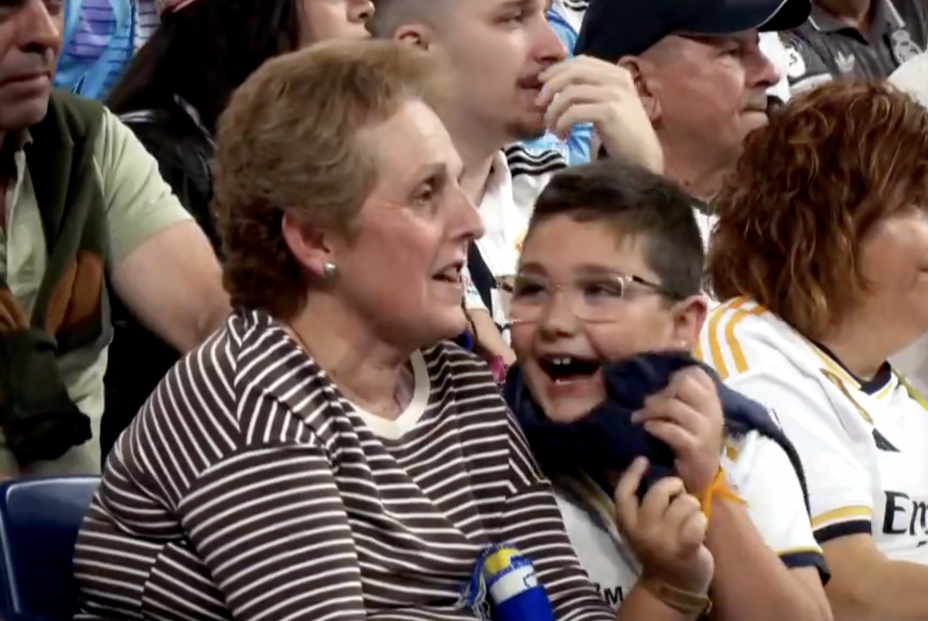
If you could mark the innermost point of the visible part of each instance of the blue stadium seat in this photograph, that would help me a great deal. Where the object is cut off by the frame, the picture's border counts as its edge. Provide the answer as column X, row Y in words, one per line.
column 39, row 521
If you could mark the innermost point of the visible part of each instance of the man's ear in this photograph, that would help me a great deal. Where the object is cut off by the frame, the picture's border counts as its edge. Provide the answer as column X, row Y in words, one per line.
column 418, row 35
column 689, row 315
column 639, row 67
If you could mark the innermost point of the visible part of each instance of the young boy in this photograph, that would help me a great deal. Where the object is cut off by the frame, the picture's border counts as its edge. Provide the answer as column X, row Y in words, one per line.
column 612, row 267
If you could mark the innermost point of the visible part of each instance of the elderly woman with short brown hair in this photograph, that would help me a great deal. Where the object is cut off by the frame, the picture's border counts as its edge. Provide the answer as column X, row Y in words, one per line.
column 820, row 260
column 328, row 454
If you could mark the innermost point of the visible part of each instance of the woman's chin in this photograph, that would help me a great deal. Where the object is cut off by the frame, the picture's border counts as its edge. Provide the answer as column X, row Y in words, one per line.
column 449, row 324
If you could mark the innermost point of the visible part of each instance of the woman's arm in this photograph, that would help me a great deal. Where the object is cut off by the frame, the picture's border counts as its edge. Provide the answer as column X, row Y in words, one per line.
column 864, row 584
column 488, row 336
column 271, row 528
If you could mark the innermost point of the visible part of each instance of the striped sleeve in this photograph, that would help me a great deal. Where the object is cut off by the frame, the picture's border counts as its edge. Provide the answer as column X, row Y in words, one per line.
column 252, row 491
column 523, row 161
column 270, row 526
column 533, row 523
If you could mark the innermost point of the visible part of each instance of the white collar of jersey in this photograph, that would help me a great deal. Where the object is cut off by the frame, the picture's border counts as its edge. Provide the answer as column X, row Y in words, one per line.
column 836, row 372
column 500, row 179
column 830, row 368
column 504, row 220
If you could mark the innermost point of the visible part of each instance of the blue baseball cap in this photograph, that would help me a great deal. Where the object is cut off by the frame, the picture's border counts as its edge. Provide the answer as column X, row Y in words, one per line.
column 615, row 28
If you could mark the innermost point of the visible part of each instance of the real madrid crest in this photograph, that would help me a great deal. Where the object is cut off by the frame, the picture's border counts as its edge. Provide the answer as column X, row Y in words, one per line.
column 903, row 47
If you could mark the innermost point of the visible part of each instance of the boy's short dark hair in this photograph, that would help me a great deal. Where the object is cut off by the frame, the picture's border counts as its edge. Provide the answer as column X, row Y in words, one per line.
column 636, row 202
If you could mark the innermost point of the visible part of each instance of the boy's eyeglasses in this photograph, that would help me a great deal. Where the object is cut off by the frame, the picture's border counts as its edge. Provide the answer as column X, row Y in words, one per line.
column 596, row 299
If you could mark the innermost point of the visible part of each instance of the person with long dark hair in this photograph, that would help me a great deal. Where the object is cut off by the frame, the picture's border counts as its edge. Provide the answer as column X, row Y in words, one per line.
column 171, row 96
column 181, row 80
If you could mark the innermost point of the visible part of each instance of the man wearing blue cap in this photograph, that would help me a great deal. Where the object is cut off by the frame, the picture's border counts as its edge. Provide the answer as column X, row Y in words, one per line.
column 700, row 74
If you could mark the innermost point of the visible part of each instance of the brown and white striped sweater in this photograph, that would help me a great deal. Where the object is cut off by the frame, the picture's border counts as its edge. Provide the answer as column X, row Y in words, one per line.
column 249, row 488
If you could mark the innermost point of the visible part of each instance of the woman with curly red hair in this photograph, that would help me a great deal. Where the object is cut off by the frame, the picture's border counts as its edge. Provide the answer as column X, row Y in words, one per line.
column 820, row 260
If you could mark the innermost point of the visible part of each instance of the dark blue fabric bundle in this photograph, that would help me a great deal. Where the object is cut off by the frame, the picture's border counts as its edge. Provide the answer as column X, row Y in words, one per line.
column 607, row 440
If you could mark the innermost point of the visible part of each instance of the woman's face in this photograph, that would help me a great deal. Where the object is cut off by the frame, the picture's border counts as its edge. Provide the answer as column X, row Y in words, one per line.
column 894, row 260
column 335, row 19
column 400, row 270
column 585, row 256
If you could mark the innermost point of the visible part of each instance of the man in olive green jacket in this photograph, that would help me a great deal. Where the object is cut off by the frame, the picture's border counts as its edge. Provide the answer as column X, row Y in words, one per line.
column 83, row 211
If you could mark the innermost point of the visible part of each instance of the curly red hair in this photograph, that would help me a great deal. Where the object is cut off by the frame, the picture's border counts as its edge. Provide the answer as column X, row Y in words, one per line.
column 807, row 190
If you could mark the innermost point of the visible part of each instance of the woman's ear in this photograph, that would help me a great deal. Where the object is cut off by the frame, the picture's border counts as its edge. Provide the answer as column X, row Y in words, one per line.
column 308, row 244
column 689, row 315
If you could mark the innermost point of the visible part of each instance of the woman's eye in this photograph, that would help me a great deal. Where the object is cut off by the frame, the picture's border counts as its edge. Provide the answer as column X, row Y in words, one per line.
column 425, row 196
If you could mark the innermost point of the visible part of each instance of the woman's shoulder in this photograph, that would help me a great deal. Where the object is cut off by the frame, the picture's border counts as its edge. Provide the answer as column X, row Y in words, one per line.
column 741, row 337
column 209, row 369
column 451, row 365
column 220, row 367
column 237, row 379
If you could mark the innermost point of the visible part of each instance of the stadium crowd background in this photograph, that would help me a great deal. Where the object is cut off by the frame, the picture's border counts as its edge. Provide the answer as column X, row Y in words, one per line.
column 639, row 290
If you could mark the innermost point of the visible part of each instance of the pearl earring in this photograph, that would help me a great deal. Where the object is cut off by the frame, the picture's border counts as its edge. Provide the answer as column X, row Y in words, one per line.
column 329, row 270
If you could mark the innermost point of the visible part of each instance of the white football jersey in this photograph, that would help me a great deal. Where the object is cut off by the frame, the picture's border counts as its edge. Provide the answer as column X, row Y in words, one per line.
column 516, row 179
column 757, row 470
column 863, row 444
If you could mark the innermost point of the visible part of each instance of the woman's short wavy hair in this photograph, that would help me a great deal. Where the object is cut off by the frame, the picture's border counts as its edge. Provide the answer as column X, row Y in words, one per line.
column 289, row 142
column 807, row 191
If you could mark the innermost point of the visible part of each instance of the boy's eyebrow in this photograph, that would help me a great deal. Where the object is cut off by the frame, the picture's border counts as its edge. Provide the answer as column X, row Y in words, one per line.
column 535, row 268
column 586, row 269
column 594, row 269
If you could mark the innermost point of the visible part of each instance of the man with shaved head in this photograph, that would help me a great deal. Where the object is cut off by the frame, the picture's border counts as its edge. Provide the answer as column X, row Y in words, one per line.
column 510, row 84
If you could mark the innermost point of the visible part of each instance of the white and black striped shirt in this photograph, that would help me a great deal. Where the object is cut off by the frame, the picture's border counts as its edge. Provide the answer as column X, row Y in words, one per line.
column 249, row 488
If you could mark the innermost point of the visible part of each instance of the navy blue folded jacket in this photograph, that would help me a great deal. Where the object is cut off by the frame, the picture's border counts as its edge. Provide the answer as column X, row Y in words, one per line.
column 607, row 440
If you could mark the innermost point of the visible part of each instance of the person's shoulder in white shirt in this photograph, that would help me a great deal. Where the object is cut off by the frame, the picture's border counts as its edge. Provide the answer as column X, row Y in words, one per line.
column 862, row 444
